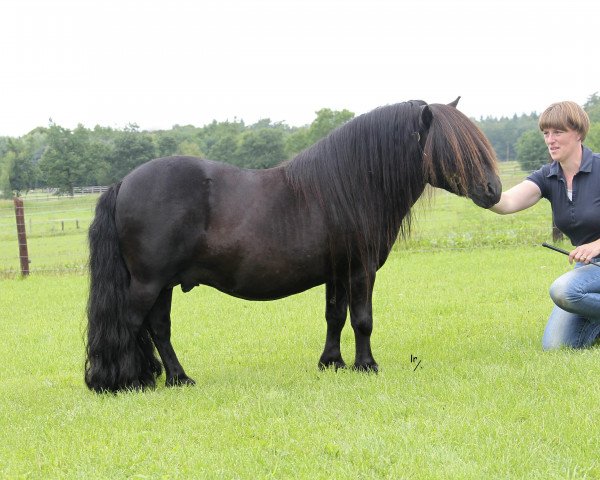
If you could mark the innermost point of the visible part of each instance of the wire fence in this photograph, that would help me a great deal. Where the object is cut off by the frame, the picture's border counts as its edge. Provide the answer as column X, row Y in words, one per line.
column 56, row 231
column 57, row 226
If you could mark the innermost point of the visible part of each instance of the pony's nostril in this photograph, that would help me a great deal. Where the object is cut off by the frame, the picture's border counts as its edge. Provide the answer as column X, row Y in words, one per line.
column 494, row 191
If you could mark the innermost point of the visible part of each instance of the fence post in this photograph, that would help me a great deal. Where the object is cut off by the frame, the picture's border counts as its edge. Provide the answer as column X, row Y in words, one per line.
column 557, row 235
column 21, row 236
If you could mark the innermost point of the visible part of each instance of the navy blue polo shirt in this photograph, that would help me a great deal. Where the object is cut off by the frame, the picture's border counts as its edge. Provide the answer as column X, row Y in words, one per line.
column 578, row 219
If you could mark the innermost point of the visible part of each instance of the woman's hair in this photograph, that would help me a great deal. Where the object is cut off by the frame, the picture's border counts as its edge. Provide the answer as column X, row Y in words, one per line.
column 565, row 116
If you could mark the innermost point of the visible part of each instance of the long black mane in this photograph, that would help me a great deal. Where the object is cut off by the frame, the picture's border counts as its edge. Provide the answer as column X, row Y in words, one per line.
column 366, row 174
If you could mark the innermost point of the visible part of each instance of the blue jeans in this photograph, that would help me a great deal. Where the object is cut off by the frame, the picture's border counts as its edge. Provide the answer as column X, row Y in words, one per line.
column 575, row 319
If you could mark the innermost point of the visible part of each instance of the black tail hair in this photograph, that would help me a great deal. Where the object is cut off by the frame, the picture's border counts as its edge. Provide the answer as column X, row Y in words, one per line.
column 118, row 356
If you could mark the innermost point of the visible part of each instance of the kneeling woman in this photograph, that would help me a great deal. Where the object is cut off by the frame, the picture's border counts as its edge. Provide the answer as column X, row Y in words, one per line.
column 572, row 185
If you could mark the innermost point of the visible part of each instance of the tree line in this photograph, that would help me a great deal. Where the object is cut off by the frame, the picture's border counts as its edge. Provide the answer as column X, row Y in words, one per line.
column 57, row 157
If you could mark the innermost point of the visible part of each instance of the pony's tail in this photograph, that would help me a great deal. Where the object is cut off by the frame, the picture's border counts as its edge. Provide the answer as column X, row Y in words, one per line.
column 118, row 357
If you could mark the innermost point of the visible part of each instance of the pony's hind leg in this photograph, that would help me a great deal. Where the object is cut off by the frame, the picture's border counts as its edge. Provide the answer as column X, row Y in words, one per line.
column 336, row 311
column 139, row 361
column 134, row 364
column 159, row 324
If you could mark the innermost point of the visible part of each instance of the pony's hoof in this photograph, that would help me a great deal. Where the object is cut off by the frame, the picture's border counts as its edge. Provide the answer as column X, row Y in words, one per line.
column 179, row 381
column 335, row 364
column 366, row 367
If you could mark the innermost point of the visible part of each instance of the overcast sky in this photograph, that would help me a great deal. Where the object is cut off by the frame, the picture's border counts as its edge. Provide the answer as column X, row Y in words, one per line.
column 161, row 63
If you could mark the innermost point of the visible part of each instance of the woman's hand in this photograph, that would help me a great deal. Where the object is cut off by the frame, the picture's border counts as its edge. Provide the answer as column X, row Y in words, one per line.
column 585, row 253
column 521, row 196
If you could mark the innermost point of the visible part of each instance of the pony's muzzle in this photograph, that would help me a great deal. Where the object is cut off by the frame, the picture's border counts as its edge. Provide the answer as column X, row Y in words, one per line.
column 487, row 196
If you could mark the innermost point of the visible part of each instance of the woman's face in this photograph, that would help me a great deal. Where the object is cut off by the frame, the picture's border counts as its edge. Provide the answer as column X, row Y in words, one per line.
column 562, row 144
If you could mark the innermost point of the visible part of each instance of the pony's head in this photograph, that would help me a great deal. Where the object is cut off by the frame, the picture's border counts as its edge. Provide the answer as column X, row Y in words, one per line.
column 457, row 155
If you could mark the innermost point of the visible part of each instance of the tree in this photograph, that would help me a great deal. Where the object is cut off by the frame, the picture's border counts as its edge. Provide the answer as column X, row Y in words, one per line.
column 20, row 171
column 5, row 189
column 592, row 107
column 532, row 152
column 262, row 148
column 131, row 149
column 66, row 162
column 327, row 120
column 98, row 153
column 297, row 141
column 167, row 144
column 225, row 148
column 188, row 147
column 19, row 159
column 210, row 134
column 592, row 140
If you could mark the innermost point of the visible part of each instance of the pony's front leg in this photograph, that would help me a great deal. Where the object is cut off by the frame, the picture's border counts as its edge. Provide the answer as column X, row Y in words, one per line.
column 336, row 310
column 361, row 318
column 159, row 323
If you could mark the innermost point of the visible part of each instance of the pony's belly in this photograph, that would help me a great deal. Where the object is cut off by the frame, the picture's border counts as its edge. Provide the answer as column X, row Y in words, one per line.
column 268, row 293
column 255, row 283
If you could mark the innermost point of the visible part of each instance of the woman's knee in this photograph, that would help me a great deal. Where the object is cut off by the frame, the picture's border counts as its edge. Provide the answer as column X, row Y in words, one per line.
column 564, row 291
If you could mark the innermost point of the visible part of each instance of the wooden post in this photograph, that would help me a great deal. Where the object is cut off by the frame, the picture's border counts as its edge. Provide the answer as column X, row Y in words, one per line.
column 21, row 236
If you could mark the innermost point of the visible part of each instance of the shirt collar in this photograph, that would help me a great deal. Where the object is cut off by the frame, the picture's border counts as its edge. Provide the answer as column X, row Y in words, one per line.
column 586, row 160
column 586, row 163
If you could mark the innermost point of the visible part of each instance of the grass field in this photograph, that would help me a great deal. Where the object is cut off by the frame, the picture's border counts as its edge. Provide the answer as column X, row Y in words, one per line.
column 464, row 391
column 484, row 401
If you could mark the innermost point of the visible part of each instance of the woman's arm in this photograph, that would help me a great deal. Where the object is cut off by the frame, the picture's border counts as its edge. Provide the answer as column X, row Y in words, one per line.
column 517, row 198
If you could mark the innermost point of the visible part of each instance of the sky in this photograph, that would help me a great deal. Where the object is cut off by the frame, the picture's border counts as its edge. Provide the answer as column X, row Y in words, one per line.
column 188, row 62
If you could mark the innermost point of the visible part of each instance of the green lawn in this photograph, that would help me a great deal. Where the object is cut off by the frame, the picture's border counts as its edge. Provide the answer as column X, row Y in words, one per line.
column 485, row 401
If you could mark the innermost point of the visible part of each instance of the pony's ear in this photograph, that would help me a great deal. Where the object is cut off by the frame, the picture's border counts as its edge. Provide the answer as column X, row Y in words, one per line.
column 426, row 117
column 455, row 102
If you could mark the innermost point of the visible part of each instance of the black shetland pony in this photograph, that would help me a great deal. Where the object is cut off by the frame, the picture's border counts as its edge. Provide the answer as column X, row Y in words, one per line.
column 330, row 215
